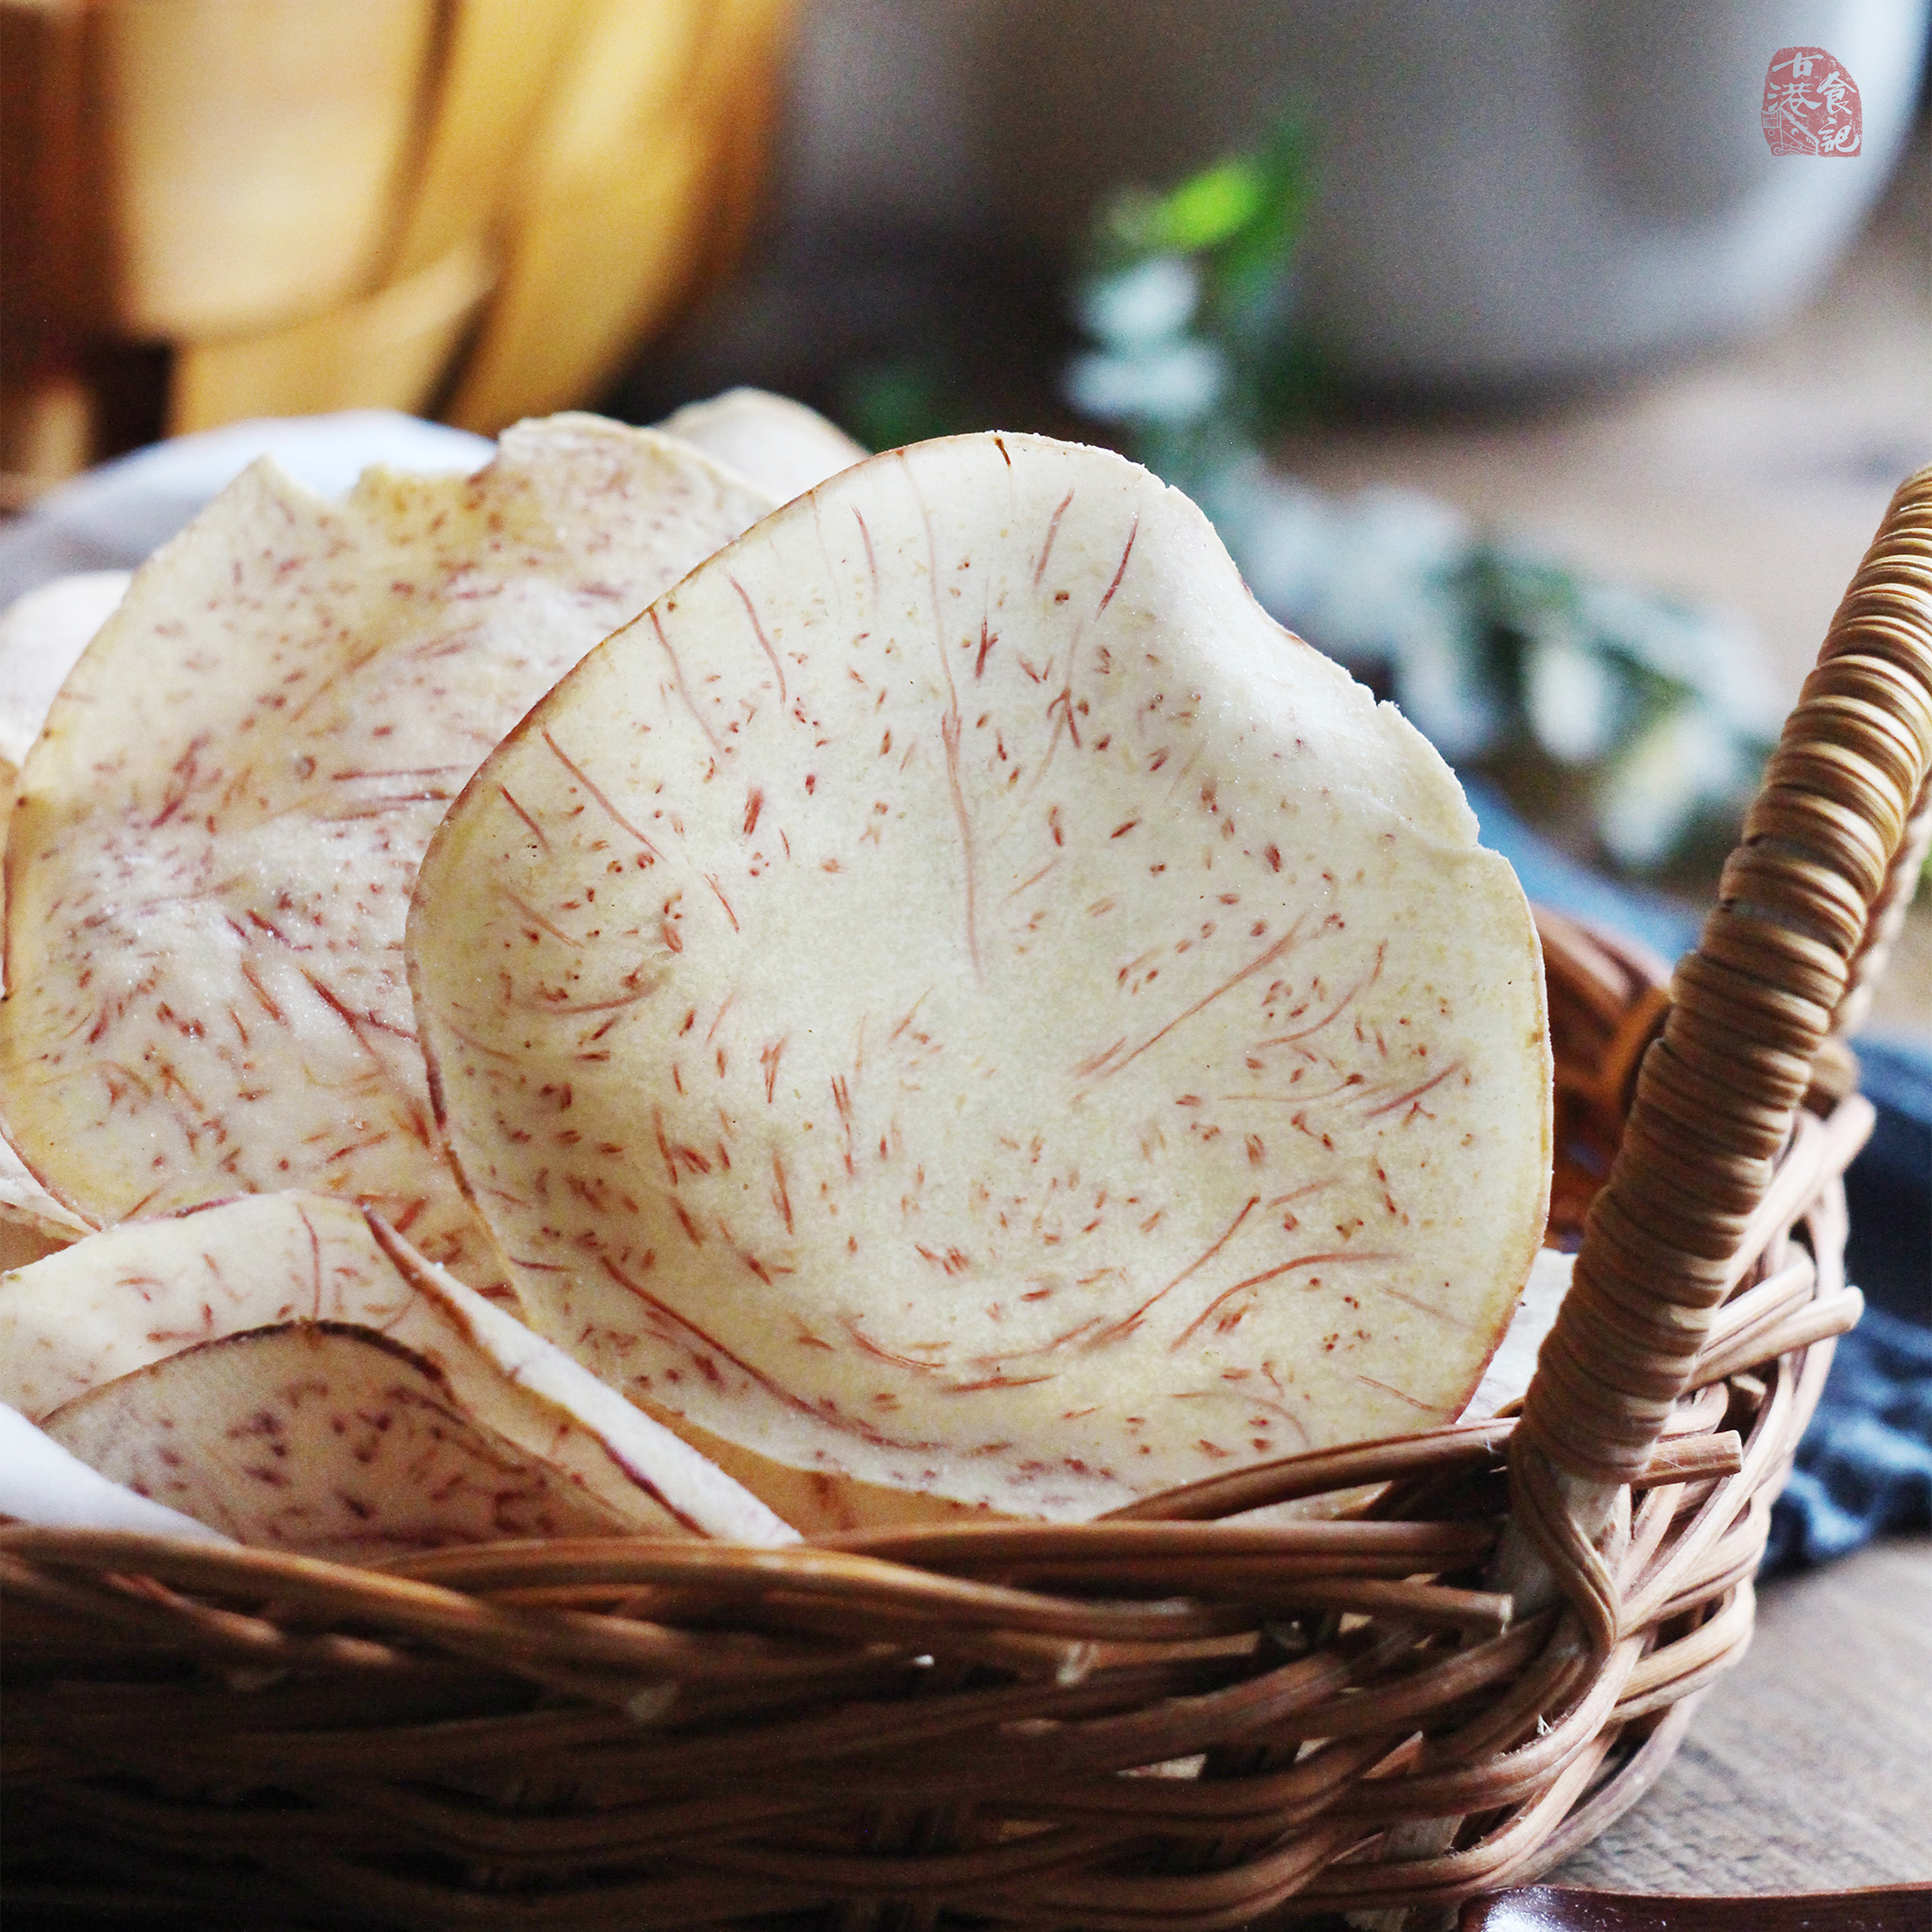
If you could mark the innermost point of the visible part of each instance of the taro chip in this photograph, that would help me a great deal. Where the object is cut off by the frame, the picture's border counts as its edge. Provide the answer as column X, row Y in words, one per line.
column 220, row 823
column 32, row 1223
column 41, row 1482
column 43, row 634
column 330, row 1442
column 956, row 1007
column 780, row 445
column 113, row 1310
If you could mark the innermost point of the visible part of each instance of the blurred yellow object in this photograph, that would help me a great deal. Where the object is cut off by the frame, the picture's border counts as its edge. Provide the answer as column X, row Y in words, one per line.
column 223, row 208
column 388, row 350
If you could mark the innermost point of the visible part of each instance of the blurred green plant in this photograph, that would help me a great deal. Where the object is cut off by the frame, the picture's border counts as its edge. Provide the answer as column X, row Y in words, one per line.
column 1188, row 300
column 887, row 406
column 1625, row 722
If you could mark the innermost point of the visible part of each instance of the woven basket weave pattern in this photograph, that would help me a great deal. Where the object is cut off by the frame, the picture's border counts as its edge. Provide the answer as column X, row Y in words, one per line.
column 1163, row 1721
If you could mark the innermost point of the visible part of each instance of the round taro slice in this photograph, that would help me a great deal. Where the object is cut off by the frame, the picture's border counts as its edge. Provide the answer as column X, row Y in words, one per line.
column 113, row 1311
column 780, row 445
column 42, row 633
column 954, row 1007
column 210, row 866
column 331, row 1442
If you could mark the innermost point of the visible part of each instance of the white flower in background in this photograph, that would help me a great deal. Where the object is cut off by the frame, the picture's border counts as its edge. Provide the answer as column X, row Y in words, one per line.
column 1279, row 533
column 1389, row 588
column 1487, row 648
column 1710, row 653
column 1391, row 596
column 1439, row 686
column 1151, row 301
column 1576, row 703
column 1650, row 795
column 1167, row 382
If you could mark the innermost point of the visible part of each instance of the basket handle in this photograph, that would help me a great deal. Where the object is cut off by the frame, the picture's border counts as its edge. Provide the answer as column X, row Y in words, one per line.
column 1808, row 907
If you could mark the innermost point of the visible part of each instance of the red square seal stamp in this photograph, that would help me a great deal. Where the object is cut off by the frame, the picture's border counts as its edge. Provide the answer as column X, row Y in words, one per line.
column 1812, row 105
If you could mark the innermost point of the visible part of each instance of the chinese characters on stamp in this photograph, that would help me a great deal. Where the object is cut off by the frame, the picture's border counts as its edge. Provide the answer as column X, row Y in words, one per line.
column 1812, row 105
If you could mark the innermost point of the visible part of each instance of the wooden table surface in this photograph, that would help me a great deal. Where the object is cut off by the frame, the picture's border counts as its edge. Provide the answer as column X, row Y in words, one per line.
column 1809, row 1767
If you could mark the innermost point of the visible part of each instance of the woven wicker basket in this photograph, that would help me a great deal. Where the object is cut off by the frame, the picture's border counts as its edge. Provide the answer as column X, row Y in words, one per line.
column 1159, row 1722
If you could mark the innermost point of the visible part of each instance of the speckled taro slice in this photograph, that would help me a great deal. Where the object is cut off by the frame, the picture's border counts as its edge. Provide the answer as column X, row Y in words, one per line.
column 32, row 1223
column 110, row 1310
column 955, row 1005
column 779, row 444
column 42, row 635
column 329, row 1442
column 211, row 863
